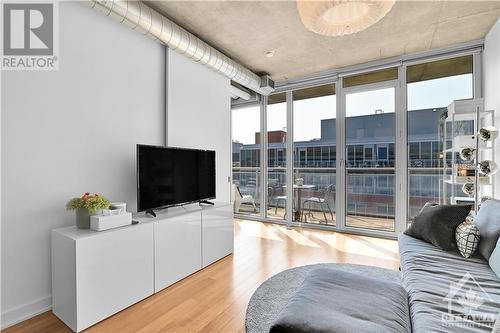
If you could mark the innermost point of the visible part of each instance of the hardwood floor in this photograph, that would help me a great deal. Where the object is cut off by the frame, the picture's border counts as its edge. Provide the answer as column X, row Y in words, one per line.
column 215, row 299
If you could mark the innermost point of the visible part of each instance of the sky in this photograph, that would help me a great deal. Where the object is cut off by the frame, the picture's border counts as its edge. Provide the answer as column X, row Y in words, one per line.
column 308, row 113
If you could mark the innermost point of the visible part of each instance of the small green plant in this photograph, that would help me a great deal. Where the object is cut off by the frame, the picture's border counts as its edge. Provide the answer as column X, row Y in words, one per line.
column 92, row 203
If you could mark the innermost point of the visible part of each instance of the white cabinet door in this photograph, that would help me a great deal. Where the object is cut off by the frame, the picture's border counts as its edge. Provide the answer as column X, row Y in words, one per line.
column 218, row 233
column 113, row 271
column 177, row 248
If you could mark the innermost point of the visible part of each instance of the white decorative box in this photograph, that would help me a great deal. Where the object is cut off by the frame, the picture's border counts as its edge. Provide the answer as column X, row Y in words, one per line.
column 101, row 222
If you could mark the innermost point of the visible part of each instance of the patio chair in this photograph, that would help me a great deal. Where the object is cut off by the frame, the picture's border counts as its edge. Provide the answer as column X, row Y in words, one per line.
column 240, row 199
column 278, row 199
column 270, row 193
column 322, row 201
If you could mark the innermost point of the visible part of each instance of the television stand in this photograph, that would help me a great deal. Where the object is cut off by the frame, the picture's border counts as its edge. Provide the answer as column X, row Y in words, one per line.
column 145, row 258
column 206, row 202
column 151, row 212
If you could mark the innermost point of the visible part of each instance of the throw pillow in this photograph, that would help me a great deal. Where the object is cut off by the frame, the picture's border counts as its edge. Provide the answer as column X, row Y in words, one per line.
column 488, row 222
column 467, row 237
column 495, row 259
column 436, row 224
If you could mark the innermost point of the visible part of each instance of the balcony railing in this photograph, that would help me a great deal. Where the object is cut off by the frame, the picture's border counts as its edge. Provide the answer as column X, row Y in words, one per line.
column 370, row 191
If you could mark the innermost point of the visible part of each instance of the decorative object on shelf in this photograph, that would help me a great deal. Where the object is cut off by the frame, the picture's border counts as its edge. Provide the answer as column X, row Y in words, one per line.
column 488, row 133
column 487, row 167
column 114, row 217
column 111, row 212
column 467, row 135
column 121, row 206
column 341, row 17
column 103, row 222
column 468, row 188
column 86, row 206
column 465, row 170
column 467, row 153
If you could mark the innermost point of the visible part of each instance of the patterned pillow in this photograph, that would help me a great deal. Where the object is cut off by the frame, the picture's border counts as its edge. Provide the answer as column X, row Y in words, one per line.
column 467, row 237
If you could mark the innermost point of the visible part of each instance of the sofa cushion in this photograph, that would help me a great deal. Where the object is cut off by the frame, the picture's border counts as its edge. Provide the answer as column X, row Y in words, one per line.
column 488, row 222
column 436, row 224
column 495, row 259
column 467, row 237
column 429, row 275
column 332, row 300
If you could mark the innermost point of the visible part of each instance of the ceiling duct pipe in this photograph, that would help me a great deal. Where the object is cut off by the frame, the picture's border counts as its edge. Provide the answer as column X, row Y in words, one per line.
column 149, row 22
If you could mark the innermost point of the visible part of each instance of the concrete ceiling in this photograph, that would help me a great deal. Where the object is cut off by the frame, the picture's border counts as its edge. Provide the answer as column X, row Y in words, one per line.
column 246, row 30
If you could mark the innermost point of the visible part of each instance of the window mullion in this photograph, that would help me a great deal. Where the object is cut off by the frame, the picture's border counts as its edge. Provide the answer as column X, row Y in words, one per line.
column 263, row 157
column 289, row 158
column 402, row 200
column 340, row 162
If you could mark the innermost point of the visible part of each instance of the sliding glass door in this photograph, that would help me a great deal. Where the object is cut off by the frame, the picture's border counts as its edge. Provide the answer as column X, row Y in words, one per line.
column 314, row 151
column 246, row 162
column 431, row 87
column 276, row 157
column 370, row 151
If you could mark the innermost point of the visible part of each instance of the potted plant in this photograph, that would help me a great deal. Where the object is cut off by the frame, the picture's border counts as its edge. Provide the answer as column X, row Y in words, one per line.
column 299, row 181
column 86, row 206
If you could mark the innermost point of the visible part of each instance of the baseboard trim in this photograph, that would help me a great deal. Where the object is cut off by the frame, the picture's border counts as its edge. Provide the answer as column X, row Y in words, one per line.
column 25, row 311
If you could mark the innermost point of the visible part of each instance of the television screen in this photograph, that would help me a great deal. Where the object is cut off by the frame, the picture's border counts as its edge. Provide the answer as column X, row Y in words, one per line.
column 169, row 176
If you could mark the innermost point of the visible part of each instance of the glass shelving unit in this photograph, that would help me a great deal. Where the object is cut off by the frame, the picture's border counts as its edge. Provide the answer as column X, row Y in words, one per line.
column 461, row 180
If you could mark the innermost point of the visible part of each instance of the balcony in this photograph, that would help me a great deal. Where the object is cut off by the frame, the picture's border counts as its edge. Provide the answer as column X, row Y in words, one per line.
column 370, row 193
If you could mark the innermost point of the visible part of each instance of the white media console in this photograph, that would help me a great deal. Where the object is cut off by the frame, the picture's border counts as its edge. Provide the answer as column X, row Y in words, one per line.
column 97, row 274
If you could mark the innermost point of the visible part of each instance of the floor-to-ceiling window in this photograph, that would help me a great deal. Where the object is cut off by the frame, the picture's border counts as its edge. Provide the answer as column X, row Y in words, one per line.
column 246, row 159
column 370, row 125
column 431, row 87
column 314, row 151
column 354, row 147
column 276, row 156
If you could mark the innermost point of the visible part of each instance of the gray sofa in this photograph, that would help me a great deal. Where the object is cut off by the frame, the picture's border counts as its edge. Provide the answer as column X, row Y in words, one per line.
column 446, row 292
column 441, row 290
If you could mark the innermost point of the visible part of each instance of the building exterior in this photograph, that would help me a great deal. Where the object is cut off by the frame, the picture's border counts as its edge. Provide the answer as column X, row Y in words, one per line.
column 370, row 141
column 272, row 137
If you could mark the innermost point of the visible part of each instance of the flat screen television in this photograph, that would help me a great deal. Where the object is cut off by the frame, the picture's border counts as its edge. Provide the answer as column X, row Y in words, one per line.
column 168, row 176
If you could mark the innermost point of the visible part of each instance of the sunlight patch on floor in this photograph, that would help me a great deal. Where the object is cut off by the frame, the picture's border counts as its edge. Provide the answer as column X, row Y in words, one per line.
column 297, row 237
column 259, row 230
column 359, row 245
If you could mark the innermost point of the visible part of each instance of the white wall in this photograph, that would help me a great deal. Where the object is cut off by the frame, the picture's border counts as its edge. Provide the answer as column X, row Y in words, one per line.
column 70, row 131
column 491, row 84
column 199, row 114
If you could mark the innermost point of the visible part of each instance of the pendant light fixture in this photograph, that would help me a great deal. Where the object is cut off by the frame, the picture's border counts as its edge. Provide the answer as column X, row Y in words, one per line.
column 342, row 17
column 468, row 188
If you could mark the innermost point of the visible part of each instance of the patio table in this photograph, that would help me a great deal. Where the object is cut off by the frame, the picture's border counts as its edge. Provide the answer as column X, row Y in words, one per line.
column 299, row 189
